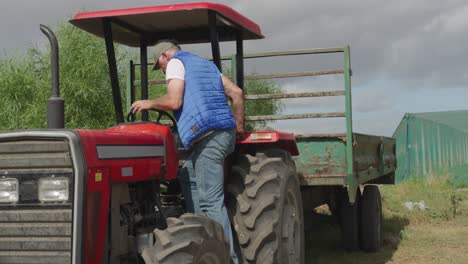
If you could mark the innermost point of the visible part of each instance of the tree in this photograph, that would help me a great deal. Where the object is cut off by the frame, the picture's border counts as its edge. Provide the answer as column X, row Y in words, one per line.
column 262, row 107
column 259, row 107
column 21, row 86
column 85, row 78
column 84, row 85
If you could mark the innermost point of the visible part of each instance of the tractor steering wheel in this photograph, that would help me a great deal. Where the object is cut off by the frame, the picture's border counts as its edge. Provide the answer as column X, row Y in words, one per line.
column 161, row 113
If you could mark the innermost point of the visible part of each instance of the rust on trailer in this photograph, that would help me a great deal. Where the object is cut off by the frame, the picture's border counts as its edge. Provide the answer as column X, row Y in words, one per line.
column 338, row 135
column 292, row 74
column 293, row 116
column 293, row 95
column 324, row 179
column 323, row 159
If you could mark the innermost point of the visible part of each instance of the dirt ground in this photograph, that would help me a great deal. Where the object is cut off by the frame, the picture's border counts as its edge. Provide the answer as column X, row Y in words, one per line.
column 405, row 240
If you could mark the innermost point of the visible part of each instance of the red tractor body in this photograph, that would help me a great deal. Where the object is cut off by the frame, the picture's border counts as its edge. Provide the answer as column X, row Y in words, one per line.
column 125, row 153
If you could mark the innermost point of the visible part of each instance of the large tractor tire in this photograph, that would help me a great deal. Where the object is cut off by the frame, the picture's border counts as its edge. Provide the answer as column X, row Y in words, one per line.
column 189, row 239
column 371, row 219
column 264, row 202
column 350, row 220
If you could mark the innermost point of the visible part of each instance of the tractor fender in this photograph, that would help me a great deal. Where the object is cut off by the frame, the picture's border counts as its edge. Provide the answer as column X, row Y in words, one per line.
column 270, row 139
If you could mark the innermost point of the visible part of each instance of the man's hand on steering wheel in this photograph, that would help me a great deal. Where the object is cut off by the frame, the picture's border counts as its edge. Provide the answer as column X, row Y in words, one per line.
column 141, row 105
column 131, row 117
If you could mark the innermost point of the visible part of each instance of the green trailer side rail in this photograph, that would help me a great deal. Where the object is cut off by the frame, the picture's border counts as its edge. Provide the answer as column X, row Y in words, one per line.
column 348, row 159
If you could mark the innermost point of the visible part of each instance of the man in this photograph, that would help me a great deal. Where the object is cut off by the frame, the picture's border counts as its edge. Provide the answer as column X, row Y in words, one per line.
column 196, row 92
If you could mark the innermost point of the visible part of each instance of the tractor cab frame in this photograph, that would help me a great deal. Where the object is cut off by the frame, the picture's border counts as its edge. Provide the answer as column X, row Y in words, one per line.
column 187, row 23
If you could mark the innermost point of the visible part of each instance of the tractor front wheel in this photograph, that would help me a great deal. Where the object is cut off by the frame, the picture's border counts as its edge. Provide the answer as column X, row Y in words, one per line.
column 189, row 239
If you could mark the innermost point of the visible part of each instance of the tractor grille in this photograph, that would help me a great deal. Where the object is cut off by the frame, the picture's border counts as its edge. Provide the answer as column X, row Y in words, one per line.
column 32, row 231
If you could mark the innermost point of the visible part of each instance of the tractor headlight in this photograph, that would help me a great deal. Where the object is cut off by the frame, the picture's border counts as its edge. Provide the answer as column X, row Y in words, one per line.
column 53, row 189
column 9, row 190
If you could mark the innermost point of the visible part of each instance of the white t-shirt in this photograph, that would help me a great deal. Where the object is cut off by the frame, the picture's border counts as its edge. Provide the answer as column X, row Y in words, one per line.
column 175, row 70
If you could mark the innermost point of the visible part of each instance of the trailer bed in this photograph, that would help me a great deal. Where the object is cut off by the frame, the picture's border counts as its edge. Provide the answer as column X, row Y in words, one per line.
column 322, row 159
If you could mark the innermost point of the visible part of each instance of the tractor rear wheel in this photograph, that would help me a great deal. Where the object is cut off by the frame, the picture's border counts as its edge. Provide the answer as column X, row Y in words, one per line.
column 264, row 202
column 350, row 220
column 371, row 219
column 189, row 239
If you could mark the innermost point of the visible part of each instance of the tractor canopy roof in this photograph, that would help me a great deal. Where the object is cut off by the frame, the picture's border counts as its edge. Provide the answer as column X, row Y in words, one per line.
column 187, row 23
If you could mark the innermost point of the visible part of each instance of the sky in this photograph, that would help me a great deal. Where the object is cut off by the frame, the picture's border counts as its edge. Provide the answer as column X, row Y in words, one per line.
column 406, row 55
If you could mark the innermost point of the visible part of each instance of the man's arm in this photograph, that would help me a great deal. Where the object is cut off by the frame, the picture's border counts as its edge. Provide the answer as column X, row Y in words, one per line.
column 237, row 96
column 171, row 101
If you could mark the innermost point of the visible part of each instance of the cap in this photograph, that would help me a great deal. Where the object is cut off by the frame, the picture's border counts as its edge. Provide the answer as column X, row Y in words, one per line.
column 160, row 47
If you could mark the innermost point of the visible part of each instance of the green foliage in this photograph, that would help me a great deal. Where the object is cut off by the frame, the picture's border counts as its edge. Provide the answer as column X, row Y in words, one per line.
column 84, row 83
column 441, row 199
column 260, row 107
column 21, row 87
column 455, row 201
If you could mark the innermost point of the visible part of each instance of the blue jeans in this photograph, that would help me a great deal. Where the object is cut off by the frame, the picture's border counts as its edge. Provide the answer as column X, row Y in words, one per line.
column 202, row 179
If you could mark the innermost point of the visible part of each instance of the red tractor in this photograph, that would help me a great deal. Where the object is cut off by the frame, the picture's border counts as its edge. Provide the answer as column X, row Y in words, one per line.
column 111, row 196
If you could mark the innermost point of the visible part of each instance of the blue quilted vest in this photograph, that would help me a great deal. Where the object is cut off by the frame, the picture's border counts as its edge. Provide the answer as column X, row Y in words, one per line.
column 204, row 106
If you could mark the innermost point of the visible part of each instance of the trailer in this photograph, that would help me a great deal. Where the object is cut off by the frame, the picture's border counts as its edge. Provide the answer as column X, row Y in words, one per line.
column 340, row 170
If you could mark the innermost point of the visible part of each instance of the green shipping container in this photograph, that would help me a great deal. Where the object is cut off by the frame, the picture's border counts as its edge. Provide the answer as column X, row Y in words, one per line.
column 431, row 144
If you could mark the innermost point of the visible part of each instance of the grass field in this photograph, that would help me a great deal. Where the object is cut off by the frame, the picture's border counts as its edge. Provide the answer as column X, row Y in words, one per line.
column 436, row 234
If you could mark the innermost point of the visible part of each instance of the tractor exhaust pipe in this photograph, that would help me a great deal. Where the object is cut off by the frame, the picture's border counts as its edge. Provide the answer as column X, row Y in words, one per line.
column 55, row 104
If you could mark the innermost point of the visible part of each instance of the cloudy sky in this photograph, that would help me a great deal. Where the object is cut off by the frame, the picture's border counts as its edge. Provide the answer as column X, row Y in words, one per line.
column 407, row 55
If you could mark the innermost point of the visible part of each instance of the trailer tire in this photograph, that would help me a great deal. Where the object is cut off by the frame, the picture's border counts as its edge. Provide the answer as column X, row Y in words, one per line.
column 371, row 219
column 350, row 220
column 265, row 206
column 189, row 239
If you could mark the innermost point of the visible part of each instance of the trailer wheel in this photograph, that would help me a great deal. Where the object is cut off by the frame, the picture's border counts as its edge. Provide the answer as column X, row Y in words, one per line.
column 349, row 220
column 189, row 239
column 371, row 219
column 264, row 202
